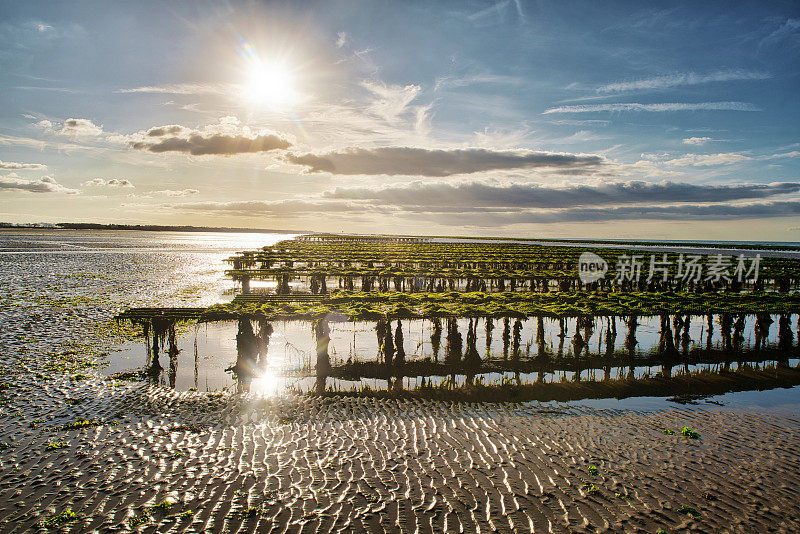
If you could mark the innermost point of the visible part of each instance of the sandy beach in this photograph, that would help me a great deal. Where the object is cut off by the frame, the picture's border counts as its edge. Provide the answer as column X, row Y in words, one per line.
column 162, row 461
column 152, row 459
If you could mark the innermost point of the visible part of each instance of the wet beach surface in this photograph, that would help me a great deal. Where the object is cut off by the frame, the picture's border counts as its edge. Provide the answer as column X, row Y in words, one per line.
column 155, row 459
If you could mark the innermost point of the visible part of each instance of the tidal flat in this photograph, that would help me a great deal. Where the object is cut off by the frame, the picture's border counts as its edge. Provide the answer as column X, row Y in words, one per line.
column 87, row 448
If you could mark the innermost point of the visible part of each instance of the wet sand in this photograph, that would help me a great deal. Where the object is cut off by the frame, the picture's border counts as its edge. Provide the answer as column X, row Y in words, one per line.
column 300, row 464
column 166, row 461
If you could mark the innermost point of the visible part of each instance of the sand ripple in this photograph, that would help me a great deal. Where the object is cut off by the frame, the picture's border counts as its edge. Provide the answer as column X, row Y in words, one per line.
column 242, row 464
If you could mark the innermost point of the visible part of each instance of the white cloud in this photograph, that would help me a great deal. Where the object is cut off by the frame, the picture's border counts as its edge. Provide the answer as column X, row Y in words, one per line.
column 681, row 79
column 787, row 33
column 391, row 101
column 175, row 193
column 341, row 39
column 80, row 127
column 13, row 165
column 185, row 89
column 113, row 182
column 792, row 154
column 705, row 160
column 668, row 106
column 696, row 140
column 45, row 184
column 451, row 82
column 71, row 128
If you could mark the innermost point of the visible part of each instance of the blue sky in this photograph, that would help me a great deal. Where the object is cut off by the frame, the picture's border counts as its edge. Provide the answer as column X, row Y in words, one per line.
column 573, row 119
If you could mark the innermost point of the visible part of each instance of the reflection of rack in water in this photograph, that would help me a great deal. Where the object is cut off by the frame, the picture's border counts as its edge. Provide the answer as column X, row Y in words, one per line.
column 675, row 347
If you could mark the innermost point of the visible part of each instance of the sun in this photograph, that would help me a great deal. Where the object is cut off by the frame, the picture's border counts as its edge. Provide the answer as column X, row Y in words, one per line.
column 271, row 85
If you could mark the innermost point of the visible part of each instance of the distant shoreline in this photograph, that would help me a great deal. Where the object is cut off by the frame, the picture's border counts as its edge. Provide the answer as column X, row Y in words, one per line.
column 150, row 228
column 744, row 245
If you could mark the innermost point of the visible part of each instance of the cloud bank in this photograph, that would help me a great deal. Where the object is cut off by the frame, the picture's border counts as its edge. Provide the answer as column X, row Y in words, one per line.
column 411, row 161
column 488, row 205
column 537, row 196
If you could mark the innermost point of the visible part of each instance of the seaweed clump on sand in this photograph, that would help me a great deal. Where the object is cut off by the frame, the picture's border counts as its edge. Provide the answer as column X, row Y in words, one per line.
column 80, row 423
column 689, row 433
column 67, row 516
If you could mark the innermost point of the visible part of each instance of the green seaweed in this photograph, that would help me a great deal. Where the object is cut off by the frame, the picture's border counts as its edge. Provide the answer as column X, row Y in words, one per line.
column 81, row 423
column 163, row 506
column 372, row 305
column 66, row 516
column 250, row 512
column 688, row 510
column 689, row 433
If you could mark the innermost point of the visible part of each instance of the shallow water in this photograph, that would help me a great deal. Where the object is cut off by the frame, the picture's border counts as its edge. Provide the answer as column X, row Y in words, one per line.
column 207, row 350
column 57, row 282
column 780, row 400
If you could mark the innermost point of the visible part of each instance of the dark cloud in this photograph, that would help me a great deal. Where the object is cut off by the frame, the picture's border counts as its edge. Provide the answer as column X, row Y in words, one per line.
column 45, row 184
column 684, row 212
column 497, row 216
column 486, row 205
column 13, row 165
column 424, row 162
column 160, row 131
column 482, row 194
column 689, row 212
column 201, row 144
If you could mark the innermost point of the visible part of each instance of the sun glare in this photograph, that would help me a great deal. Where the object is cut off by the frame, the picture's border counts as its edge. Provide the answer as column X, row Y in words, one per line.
column 267, row 383
column 270, row 85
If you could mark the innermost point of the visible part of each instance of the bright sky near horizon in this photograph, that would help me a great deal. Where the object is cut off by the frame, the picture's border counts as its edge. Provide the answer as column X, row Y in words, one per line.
column 535, row 119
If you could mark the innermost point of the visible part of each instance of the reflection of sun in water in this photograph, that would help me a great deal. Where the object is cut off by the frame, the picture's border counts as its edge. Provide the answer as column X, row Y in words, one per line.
column 270, row 84
column 266, row 383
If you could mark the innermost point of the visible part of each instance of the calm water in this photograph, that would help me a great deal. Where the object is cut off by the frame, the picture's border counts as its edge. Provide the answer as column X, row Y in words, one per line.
column 57, row 286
